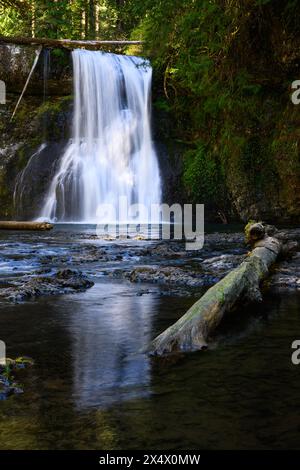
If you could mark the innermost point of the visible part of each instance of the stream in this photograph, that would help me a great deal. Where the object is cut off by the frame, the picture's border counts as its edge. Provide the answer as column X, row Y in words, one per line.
column 92, row 387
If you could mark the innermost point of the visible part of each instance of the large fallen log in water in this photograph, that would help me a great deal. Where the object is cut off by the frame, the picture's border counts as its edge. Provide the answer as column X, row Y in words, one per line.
column 68, row 43
column 192, row 331
column 15, row 225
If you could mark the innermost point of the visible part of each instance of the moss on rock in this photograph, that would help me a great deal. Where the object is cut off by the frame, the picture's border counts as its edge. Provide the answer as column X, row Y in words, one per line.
column 36, row 122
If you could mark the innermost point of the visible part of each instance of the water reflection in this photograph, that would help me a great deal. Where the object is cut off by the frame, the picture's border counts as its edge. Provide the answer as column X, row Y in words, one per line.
column 108, row 364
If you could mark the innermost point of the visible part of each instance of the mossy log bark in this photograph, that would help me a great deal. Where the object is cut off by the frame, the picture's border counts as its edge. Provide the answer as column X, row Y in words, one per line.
column 192, row 331
column 14, row 225
column 68, row 43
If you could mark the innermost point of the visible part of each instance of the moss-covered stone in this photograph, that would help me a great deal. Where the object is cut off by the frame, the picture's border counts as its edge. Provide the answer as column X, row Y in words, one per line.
column 36, row 122
column 225, row 74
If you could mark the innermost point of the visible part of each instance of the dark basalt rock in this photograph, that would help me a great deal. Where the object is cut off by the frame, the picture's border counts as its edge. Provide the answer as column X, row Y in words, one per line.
column 30, row 149
column 62, row 282
column 171, row 276
column 286, row 274
column 198, row 273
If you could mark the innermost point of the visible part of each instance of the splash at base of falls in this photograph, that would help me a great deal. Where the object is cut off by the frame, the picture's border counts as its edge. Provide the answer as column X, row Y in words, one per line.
column 111, row 154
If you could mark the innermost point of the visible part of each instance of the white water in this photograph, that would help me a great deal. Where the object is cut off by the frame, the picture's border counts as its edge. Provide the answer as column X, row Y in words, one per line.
column 111, row 154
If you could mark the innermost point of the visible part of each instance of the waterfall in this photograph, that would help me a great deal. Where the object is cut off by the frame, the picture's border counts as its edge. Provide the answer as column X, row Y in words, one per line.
column 111, row 154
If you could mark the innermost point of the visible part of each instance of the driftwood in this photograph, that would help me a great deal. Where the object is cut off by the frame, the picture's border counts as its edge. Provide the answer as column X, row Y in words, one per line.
column 192, row 331
column 37, row 55
column 68, row 43
column 14, row 225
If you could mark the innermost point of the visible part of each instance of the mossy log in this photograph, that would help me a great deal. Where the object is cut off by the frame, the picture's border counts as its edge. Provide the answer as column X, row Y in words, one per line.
column 68, row 43
column 15, row 225
column 193, row 330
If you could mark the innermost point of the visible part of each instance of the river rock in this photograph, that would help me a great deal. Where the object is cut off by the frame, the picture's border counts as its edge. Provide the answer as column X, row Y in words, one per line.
column 66, row 281
column 171, row 276
column 286, row 274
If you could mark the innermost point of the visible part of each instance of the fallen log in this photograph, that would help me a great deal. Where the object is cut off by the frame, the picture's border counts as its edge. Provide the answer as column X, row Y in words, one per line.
column 193, row 330
column 68, row 43
column 37, row 55
column 15, row 225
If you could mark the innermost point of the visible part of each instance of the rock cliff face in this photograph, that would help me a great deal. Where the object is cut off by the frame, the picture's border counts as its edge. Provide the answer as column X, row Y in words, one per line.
column 16, row 62
column 263, row 159
column 31, row 144
column 226, row 86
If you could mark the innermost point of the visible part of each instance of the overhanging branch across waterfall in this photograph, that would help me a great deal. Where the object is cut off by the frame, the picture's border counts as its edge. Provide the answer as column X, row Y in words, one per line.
column 68, row 43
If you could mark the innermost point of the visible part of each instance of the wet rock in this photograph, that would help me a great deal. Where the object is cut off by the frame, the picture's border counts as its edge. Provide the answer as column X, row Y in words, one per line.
column 167, row 250
column 77, row 255
column 222, row 239
column 62, row 282
column 286, row 274
column 27, row 161
column 222, row 263
column 8, row 386
column 170, row 275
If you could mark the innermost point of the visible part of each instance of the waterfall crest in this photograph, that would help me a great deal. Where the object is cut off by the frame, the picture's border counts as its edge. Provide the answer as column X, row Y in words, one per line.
column 111, row 154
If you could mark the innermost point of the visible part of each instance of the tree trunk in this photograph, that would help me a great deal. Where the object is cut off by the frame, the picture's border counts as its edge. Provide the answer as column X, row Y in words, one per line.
column 86, row 17
column 192, row 331
column 92, row 20
column 120, row 4
column 13, row 225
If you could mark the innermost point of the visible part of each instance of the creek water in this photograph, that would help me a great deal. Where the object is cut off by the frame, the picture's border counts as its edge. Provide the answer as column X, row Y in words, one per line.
column 91, row 386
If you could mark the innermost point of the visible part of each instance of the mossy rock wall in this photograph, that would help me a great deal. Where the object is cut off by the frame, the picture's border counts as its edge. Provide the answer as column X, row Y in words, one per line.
column 34, row 140
column 223, row 75
column 30, row 147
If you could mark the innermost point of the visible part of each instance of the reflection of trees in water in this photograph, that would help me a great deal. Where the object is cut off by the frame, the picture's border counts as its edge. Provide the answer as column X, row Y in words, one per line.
column 108, row 367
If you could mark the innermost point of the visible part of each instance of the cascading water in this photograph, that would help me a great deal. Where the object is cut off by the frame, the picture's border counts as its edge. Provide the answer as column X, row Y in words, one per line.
column 111, row 154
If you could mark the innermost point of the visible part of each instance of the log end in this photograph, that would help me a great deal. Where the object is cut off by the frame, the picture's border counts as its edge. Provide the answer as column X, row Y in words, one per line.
column 179, row 342
column 254, row 231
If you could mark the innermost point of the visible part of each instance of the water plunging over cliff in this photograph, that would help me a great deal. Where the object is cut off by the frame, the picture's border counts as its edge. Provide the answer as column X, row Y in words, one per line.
column 111, row 152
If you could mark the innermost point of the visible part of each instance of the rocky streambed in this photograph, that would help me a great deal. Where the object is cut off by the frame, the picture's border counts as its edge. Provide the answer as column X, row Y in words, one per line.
column 69, row 260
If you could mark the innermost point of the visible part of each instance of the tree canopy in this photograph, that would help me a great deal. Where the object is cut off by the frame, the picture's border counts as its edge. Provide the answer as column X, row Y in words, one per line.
column 74, row 19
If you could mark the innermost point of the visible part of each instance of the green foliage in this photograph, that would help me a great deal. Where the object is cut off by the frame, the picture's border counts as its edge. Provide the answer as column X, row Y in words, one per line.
column 12, row 23
column 73, row 19
column 220, row 85
column 203, row 177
